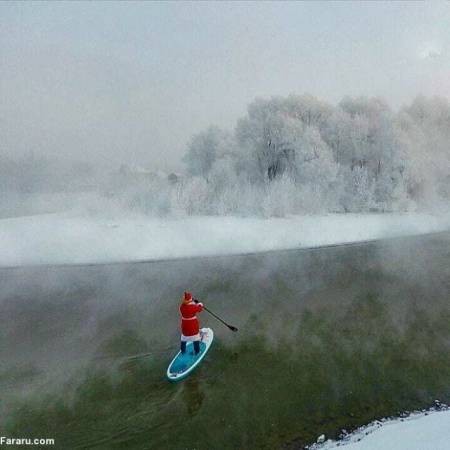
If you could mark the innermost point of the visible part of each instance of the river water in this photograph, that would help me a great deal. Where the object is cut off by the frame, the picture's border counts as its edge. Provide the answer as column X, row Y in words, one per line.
column 328, row 339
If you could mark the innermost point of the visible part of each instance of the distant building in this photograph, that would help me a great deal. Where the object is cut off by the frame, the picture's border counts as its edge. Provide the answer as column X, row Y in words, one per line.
column 173, row 178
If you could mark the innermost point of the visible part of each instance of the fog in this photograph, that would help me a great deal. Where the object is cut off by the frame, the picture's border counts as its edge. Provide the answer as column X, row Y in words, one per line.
column 63, row 323
column 287, row 155
column 65, row 239
column 230, row 149
column 115, row 83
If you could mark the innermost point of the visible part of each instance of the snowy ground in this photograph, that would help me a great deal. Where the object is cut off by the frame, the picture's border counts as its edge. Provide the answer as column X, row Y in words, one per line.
column 66, row 238
column 430, row 431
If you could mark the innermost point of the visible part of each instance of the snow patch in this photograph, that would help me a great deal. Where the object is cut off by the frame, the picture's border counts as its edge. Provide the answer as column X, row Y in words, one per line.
column 74, row 239
column 428, row 430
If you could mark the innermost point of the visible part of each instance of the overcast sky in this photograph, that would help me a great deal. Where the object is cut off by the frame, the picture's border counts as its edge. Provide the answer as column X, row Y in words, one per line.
column 131, row 82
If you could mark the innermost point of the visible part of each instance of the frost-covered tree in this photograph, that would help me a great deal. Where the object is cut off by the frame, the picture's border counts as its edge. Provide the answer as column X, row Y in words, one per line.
column 357, row 190
column 205, row 148
column 223, row 186
column 374, row 146
column 309, row 110
column 314, row 159
column 339, row 135
column 280, row 139
column 296, row 155
column 265, row 137
column 424, row 129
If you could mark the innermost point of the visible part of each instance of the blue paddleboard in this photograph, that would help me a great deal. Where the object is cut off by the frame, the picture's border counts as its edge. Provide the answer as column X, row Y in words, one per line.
column 184, row 363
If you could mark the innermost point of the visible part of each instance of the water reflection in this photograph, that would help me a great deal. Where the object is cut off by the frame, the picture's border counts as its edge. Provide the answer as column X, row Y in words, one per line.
column 192, row 395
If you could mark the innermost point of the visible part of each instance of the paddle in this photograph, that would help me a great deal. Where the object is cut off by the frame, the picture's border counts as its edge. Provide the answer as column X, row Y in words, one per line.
column 219, row 319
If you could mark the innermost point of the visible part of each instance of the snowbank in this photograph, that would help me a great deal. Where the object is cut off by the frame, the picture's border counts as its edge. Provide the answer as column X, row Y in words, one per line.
column 67, row 239
column 424, row 431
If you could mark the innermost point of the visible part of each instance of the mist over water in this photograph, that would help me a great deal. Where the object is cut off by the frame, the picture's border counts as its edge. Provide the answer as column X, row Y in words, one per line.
column 132, row 131
column 328, row 336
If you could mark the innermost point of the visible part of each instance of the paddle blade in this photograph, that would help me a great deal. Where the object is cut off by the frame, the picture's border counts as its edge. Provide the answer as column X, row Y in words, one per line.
column 232, row 328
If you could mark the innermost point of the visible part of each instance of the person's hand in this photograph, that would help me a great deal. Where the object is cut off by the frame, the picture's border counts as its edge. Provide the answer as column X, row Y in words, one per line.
column 196, row 301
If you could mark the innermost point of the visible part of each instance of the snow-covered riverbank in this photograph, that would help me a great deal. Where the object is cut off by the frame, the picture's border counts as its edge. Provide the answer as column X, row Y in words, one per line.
column 68, row 238
column 422, row 431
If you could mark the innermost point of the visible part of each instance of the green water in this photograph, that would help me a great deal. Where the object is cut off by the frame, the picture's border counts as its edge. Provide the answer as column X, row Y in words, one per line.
column 328, row 340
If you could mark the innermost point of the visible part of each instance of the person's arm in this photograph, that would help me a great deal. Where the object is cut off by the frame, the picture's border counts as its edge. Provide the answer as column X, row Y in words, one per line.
column 199, row 305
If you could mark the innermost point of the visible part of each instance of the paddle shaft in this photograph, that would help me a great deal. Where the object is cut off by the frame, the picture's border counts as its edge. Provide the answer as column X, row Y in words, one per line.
column 231, row 327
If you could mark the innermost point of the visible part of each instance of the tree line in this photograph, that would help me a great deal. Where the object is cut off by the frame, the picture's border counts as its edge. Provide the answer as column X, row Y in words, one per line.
column 298, row 154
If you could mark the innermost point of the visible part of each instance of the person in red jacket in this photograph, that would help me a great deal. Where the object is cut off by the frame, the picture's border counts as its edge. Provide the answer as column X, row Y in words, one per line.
column 190, row 327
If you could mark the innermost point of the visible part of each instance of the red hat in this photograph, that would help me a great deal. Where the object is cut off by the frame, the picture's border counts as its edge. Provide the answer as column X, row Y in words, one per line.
column 187, row 297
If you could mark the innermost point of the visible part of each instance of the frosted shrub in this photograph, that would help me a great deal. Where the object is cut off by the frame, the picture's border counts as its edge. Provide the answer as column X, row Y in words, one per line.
column 250, row 199
column 281, row 198
column 191, row 196
column 313, row 200
column 357, row 190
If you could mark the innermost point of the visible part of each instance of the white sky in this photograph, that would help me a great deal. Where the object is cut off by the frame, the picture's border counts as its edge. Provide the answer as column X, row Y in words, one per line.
column 130, row 82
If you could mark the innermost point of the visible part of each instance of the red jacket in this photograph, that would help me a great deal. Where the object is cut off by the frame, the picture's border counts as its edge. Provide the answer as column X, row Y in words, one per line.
column 189, row 321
